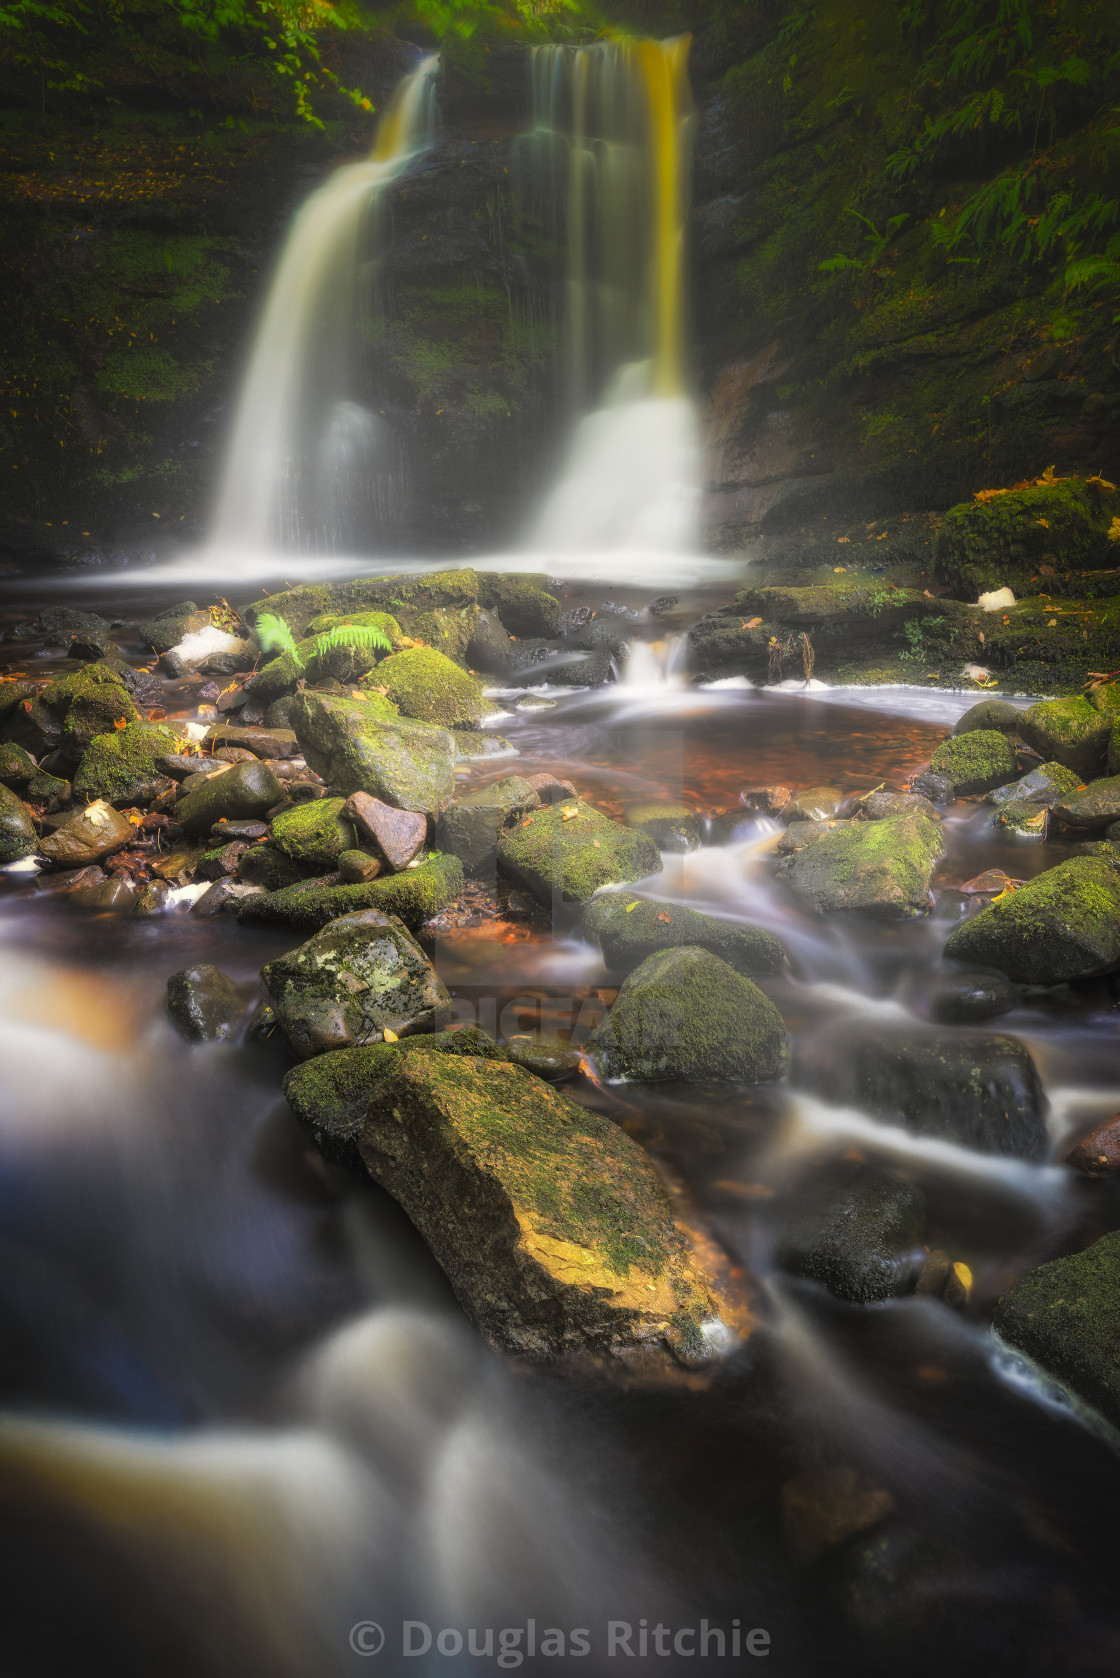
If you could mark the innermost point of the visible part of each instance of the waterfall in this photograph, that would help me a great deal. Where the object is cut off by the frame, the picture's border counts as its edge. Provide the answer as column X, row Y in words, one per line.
column 304, row 449
column 613, row 125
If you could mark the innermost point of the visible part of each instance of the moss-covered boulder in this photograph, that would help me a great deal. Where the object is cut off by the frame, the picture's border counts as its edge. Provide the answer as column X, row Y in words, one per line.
column 989, row 715
column 244, row 792
column 672, row 827
column 125, row 766
column 18, row 836
column 628, row 929
column 976, row 761
column 551, row 1224
column 469, row 827
column 878, row 868
column 1071, row 732
column 355, row 749
column 89, row 702
column 168, row 627
column 1064, row 924
column 408, row 598
column 522, row 602
column 340, row 647
column 267, row 866
column 17, row 766
column 414, row 896
column 1044, row 786
column 1066, row 1316
column 1097, row 807
column 315, row 834
column 856, row 1231
column 1114, row 750
column 424, row 683
column 563, row 854
column 983, row 545
column 982, row 1091
column 356, row 978
column 684, row 1014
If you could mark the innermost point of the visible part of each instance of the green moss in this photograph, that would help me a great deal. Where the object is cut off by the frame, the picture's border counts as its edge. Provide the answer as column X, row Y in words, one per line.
column 423, row 683
column 976, row 761
column 89, row 703
column 522, row 602
column 1062, row 925
column 881, row 868
column 569, row 857
column 315, row 834
column 628, row 929
column 150, row 376
column 1002, row 542
column 122, row 766
column 414, row 896
column 1066, row 1315
column 1070, row 731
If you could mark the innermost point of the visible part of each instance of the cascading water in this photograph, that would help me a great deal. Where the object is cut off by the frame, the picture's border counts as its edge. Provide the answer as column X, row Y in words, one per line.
column 306, row 452
column 614, row 122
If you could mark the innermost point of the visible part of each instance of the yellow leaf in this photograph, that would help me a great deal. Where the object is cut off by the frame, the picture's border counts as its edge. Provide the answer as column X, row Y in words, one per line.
column 963, row 1275
column 1045, row 523
column 630, row 907
column 568, row 815
column 389, row 1036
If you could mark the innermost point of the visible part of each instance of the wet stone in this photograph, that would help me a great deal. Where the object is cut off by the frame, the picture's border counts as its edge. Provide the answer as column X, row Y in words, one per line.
column 1098, row 1154
column 857, row 1231
column 356, row 867
column 397, row 834
column 71, row 879
column 544, row 1056
column 814, row 804
column 204, row 1003
column 968, row 998
column 88, row 835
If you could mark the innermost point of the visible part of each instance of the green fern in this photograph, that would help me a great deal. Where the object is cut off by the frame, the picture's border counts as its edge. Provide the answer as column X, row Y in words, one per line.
column 275, row 636
column 365, row 637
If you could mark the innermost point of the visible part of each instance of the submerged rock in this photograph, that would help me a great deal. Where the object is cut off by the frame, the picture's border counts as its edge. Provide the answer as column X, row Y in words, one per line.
column 245, row 791
column 685, row 1014
column 314, row 835
column 544, row 1056
column 968, row 998
column 814, row 804
column 357, row 749
column 1064, row 924
column 883, row 868
column 356, row 978
column 168, row 627
column 983, row 1092
column 566, row 852
column 1066, row 1315
column 628, row 929
column 551, row 1224
column 1069, row 731
column 18, row 834
column 469, row 828
column 88, row 835
column 414, row 896
column 856, row 1231
column 976, row 761
column 672, row 827
column 204, row 1003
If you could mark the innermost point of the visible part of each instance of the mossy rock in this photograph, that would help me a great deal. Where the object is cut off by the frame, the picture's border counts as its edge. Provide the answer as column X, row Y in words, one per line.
column 355, row 748
column 18, row 836
column 1066, row 1316
column 718, row 649
column 1070, row 731
column 90, row 702
column 1114, row 750
column 1044, row 786
column 551, row 1224
column 168, row 629
column 976, row 761
column 834, row 615
column 685, row 1015
column 628, row 929
column 17, row 766
column 1097, row 807
column 856, row 1231
column 1105, row 696
column 425, row 684
column 672, row 827
column 564, row 853
column 879, row 868
column 124, row 767
column 1003, row 542
column 469, row 827
column 313, row 662
column 359, row 976
column 522, row 603
column 988, row 715
column 427, row 592
column 414, row 896
column 267, row 866
column 314, row 834
column 1064, row 924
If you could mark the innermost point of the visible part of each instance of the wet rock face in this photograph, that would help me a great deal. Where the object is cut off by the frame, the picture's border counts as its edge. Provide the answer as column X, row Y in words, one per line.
column 89, row 834
column 685, row 1014
column 1062, row 925
column 360, row 975
column 410, row 765
column 856, row 1231
column 204, row 1003
column 976, row 761
column 242, row 793
column 628, row 929
column 1043, row 787
column 552, row 1225
column 983, row 1092
column 672, row 827
column 18, row 837
column 1066, row 1315
column 566, row 852
column 883, row 868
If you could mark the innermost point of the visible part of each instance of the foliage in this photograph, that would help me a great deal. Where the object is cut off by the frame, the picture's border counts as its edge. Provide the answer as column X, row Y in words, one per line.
column 275, row 636
column 362, row 637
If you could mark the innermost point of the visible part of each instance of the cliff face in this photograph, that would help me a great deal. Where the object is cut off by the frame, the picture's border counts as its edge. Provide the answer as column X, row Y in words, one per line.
column 890, row 384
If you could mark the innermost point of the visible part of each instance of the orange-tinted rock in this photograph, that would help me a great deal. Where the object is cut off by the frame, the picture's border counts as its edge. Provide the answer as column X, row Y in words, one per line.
column 1098, row 1154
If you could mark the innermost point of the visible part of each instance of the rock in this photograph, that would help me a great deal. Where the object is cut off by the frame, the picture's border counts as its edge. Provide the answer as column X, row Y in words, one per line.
column 49, row 790
column 222, row 861
column 672, row 827
column 72, row 879
column 990, row 715
column 246, row 791
column 262, row 742
column 278, row 715
column 937, row 788
column 469, row 827
column 769, row 801
column 1097, row 807
column 16, row 766
column 18, row 834
column 93, row 701
column 225, row 830
column 566, row 858
column 471, row 747
column 968, row 998
column 315, row 835
column 225, row 896
column 523, row 603
column 1114, row 750
column 268, row 867
column 814, row 804
column 823, row 1507
column 116, row 897
column 397, row 834
column 983, row 1092
column 238, row 754
column 355, row 868
column 423, row 683
column 359, row 976
column 1042, row 787
column 414, row 896
column 1071, row 732
column 685, row 1014
column 1066, row 1315
column 407, row 764
column 488, row 649
column 1003, row 541
column 976, row 761
column 799, row 834
column 181, row 765
column 167, row 629
column 880, row 868
column 170, row 664
column 1064, row 924
column 881, row 806
column 87, row 836
column 204, row 1003
column 1104, row 696
column 1098, row 1154
column 551, row 1224
column 856, row 1231
column 126, row 765
column 550, row 789
column 629, row 929
column 154, row 898
column 544, row 1056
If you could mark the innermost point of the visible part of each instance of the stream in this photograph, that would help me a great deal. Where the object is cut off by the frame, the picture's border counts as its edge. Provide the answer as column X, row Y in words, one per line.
column 247, row 1429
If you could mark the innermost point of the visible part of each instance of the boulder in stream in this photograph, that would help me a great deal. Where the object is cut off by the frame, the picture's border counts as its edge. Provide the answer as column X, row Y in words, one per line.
column 672, row 827
column 990, row 714
column 1066, row 1316
column 882, row 868
column 314, row 835
column 425, row 684
column 204, row 1003
column 552, row 1225
column 397, row 834
column 414, row 896
column 1097, row 806
column 126, row 766
column 857, row 1231
column 18, row 835
column 16, row 765
column 1064, row 924
column 469, row 828
column 1069, row 731
column 628, row 929
column 357, row 977
column 684, row 1014
column 976, row 761
column 87, row 836
column 567, row 851
column 240, row 793
column 356, row 747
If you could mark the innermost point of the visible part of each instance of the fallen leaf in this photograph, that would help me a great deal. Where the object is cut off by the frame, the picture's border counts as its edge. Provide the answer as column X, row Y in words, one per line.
column 1052, row 624
column 1045, row 523
column 981, row 637
column 664, row 915
column 630, row 907
column 568, row 815
column 843, row 538
column 389, row 1036
column 528, row 822
column 753, row 623
column 839, row 569
column 120, row 722
column 596, row 844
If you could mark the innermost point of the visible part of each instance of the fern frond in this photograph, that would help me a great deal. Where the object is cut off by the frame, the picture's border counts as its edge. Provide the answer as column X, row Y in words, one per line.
column 275, row 636
column 366, row 637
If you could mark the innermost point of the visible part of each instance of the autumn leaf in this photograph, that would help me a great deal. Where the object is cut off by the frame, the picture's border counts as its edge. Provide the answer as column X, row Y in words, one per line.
column 596, row 844
column 389, row 1036
column 630, row 907
column 843, row 538
column 753, row 623
column 568, row 815
column 121, row 722
column 664, row 915
column 528, row 822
